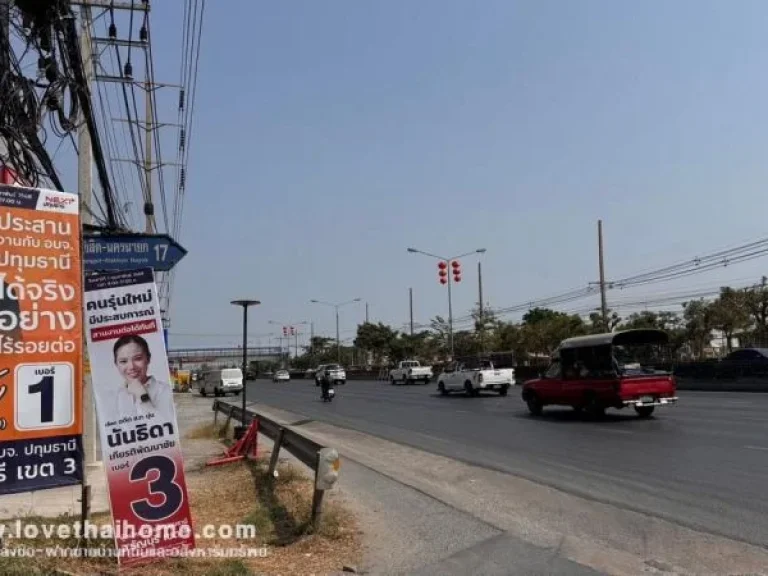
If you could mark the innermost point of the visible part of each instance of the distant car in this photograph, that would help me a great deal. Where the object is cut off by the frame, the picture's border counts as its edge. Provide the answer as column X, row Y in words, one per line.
column 282, row 375
column 409, row 371
column 743, row 362
column 331, row 373
column 475, row 375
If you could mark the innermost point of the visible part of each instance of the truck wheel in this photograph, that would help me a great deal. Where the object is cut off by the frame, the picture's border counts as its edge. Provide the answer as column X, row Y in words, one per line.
column 442, row 390
column 392, row 381
column 503, row 391
column 593, row 406
column 468, row 388
column 644, row 411
column 534, row 405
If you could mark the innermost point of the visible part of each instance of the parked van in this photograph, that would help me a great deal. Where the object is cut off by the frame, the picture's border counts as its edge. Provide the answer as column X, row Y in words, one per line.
column 221, row 382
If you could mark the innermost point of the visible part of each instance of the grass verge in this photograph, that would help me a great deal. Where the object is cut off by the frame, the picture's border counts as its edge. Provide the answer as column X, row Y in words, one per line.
column 243, row 493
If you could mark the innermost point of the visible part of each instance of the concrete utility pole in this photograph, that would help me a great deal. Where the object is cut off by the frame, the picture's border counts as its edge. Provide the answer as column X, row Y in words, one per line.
column 410, row 306
column 5, row 57
column 603, row 304
column 85, row 189
column 366, row 312
column 5, row 31
column 150, row 212
column 480, row 305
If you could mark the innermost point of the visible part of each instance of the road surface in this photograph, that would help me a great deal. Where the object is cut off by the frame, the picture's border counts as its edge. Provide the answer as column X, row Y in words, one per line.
column 702, row 464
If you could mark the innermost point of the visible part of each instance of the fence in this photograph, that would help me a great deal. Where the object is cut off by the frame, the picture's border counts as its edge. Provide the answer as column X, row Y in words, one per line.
column 322, row 460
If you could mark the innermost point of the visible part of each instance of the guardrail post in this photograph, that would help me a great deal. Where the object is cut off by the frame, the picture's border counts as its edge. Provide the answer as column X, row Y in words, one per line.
column 317, row 499
column 278, row 442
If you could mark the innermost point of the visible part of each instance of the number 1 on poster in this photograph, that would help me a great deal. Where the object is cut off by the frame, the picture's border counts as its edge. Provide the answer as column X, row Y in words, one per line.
column 44, row 396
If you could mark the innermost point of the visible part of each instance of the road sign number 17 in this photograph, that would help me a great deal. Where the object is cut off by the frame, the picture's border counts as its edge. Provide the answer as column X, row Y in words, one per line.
column 161, row 251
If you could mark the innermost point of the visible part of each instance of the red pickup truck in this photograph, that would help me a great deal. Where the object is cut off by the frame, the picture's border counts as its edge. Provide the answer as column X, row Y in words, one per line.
column 612, row 370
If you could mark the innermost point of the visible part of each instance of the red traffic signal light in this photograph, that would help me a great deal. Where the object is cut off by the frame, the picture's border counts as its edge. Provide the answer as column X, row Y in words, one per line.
column 442, row 272
column 293, row 331
column 285, row 331
column 456, row 271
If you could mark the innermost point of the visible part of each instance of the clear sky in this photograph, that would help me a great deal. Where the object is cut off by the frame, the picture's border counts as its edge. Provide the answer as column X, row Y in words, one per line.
column 330, row 136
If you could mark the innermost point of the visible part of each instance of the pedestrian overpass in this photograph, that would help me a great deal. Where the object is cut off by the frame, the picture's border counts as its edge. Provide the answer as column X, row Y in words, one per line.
column 222, row 357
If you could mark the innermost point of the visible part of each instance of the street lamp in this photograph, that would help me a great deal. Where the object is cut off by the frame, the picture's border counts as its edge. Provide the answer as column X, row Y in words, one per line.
column 240, row 430
column 450, row 303
column 337, row 306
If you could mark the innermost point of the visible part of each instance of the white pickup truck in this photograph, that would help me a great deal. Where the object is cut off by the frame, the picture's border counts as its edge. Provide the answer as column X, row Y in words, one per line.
column 472, row 376
column 409, row 371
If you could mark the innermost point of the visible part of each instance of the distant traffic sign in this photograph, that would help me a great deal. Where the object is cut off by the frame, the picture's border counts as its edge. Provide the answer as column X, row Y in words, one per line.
column 123, row 252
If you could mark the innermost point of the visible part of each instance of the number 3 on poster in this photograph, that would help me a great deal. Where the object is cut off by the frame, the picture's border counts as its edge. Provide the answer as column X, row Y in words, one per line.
column 45, row 396
column 163, row 484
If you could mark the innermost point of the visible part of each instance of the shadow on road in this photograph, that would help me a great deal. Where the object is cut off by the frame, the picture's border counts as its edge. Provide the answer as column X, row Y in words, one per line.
column 570, row 416
column 457, row 395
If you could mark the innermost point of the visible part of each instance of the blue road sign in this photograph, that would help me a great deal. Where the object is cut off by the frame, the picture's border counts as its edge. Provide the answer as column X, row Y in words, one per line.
column 122, row 252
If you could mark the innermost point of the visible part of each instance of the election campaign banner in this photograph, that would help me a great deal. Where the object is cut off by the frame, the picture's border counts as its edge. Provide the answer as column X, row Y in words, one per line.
column 136, row 415
column 41, row 342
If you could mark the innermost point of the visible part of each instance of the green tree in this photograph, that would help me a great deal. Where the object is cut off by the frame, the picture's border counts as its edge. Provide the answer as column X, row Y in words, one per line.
column 730, row 313
column 756, row 302
column 698, row 324
column 379, row 339
column 597, row 326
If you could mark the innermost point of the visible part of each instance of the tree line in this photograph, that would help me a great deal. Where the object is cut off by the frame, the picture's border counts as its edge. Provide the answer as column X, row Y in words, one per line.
column 735, row 311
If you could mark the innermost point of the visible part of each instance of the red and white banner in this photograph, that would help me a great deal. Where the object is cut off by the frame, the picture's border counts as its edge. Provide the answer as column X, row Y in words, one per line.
column 137, row 417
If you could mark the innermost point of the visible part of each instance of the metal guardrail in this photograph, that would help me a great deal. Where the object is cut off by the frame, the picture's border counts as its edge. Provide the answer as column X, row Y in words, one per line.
column 322, row 460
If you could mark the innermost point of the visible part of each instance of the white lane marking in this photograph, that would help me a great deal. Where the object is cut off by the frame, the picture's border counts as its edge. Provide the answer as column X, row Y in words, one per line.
column 757, row 448
column 462, row 411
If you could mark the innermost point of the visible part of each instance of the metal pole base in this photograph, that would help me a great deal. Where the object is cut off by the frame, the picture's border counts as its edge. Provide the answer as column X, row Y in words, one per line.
column 239, row 432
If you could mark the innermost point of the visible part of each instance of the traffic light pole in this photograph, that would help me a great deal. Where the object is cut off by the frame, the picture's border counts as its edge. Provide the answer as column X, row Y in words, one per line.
column 444, row 265
column 450, row 315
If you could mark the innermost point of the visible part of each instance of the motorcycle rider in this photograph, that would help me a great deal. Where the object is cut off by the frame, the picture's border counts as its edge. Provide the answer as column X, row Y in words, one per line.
column 325, row 387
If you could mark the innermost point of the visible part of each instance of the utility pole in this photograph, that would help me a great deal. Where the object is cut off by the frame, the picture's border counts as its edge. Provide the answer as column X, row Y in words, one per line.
column 410, row 302
column 603, row 304
column 5, row 56
column 85, row 189
column 5, row 31
column 150, row 212
column 480, row 305
column 366, row 312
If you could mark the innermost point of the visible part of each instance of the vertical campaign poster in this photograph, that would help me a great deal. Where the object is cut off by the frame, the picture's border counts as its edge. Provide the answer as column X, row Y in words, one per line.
column 136, row 416
column 41, row 342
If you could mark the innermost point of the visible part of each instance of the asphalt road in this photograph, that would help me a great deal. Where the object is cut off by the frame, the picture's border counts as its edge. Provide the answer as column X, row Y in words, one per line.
column 702, row 463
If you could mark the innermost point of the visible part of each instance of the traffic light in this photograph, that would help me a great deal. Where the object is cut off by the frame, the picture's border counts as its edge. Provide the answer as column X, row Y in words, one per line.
column 456, row 271
column 293, row 331
column 443, row 272
column 285, row 330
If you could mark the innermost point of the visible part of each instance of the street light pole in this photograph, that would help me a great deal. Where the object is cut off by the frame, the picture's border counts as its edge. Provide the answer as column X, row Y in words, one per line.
column 240, row 430
column 450, row 299
column 336, row 307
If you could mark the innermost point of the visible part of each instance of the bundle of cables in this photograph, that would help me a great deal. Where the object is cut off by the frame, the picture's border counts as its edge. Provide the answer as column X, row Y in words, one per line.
column 25, row 103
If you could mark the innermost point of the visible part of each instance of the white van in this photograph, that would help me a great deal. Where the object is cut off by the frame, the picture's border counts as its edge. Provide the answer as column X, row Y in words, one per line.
column 221, row 382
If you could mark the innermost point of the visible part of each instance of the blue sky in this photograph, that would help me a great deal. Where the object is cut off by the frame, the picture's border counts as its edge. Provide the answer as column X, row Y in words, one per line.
column 330, row 136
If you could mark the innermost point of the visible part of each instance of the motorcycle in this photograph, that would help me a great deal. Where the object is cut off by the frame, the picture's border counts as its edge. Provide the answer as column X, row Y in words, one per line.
column 328, row 394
